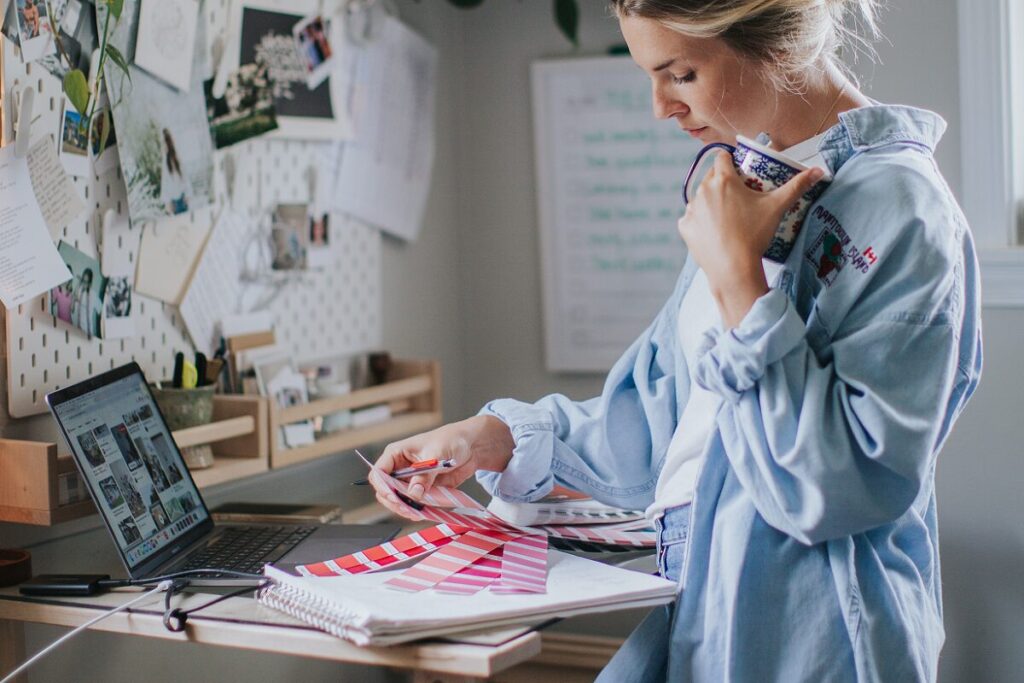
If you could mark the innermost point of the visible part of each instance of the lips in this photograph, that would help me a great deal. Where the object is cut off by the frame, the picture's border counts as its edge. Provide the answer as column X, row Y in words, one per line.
column 696, row 132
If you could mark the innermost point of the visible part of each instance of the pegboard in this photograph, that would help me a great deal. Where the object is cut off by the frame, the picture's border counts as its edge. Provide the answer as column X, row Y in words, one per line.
column 323, row 313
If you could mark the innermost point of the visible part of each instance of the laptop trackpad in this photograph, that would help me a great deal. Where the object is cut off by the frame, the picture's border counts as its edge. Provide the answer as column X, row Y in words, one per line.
column 334, row 540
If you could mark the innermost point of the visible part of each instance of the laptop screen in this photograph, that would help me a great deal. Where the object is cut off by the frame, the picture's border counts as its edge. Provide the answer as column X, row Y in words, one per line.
column 131, row 464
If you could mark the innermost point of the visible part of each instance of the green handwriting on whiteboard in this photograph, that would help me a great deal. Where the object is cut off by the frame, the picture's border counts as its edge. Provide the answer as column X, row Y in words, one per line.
column 622, row 264
column 640, row 239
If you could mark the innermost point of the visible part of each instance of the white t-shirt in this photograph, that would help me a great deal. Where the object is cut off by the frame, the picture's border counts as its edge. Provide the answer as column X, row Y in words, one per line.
column 697, row 314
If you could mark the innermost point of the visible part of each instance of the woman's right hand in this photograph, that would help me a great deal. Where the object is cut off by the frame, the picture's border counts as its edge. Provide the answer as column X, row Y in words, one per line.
column 478, row 443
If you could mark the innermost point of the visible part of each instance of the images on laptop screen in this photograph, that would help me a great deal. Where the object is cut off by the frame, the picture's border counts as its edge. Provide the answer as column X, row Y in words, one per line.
column 132, row 464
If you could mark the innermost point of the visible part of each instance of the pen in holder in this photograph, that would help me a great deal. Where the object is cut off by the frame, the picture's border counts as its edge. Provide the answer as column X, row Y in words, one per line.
column 184, row 408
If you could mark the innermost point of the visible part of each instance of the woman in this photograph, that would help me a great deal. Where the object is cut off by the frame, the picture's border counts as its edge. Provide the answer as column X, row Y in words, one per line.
column 781, row 428
column 175, row 189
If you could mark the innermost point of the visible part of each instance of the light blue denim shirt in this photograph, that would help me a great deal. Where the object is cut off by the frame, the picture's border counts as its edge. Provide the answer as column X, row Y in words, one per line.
column 813, row 547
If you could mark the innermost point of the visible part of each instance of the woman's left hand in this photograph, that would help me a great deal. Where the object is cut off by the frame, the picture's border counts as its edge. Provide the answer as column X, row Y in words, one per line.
column 728, row 226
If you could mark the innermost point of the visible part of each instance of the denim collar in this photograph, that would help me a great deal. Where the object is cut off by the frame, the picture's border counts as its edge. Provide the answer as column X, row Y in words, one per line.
column 878, row 125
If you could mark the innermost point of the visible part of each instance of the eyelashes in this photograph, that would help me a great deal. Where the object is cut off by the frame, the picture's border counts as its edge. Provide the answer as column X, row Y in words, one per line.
column 688, row 77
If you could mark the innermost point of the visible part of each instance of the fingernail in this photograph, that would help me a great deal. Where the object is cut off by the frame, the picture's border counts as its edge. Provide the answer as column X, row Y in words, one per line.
column 817, row 174
column 416, row 490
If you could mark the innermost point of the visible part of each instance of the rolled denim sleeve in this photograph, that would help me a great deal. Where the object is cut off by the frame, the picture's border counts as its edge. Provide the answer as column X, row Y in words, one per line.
column 732, row 362
column 610, row 446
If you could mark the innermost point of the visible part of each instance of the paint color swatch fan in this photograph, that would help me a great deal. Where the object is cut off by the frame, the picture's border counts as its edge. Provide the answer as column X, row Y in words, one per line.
column 471, row 571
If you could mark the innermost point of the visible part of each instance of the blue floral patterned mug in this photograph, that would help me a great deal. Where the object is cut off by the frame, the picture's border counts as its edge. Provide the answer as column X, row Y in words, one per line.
column 764, row 169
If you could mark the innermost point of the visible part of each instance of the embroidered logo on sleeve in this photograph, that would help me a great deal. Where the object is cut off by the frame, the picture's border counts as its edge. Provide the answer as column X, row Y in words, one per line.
column 831, row 250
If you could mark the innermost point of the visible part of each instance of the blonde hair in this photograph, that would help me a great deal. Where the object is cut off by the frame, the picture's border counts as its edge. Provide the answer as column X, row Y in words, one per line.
column 790, row 38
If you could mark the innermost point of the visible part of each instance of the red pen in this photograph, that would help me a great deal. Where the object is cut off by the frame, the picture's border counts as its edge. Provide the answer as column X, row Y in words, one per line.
column 423, row 467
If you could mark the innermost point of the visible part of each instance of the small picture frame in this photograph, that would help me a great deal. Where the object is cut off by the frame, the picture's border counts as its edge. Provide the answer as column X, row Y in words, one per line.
column 73, row 145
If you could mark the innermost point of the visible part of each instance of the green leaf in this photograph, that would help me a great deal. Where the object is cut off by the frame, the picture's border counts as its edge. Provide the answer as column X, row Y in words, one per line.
column 116, row 7
column 466, row 4
column 119, row 59
column 77, row 90
column 567, row 15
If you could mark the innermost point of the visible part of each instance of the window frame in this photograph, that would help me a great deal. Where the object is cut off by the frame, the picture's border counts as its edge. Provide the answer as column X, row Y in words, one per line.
column 992, row 116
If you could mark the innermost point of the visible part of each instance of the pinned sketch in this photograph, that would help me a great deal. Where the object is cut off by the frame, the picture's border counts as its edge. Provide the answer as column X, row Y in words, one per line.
column 168, row 254
column 166, row 38
column 385, row 171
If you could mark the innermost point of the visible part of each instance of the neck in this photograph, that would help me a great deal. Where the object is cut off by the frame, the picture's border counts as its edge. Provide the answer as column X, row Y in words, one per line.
column 801, row 116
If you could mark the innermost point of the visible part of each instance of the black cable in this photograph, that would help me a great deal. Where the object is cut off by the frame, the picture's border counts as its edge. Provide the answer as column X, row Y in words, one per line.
column 226, row 574
column 175, row 618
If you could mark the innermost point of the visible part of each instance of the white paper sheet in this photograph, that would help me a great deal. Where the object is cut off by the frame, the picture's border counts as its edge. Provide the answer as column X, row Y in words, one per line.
column 56, row 194
column 385, row 170
column 215, row 290
column 167, row 34
column 168, row 255
column 29, row 262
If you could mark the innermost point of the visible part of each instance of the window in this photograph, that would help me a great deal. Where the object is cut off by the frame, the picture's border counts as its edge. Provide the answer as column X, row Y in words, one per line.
column 992, row 140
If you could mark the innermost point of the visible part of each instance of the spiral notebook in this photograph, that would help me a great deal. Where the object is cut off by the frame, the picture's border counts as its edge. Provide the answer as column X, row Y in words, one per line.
column 361, row 609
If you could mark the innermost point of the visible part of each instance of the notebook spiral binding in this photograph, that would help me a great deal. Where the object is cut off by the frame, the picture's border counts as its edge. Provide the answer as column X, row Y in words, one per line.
column 315, row 611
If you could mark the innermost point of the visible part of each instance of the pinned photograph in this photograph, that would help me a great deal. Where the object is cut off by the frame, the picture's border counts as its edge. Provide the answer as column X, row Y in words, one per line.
column 103, row 160
column 166, row 36
column 74, row 147
column 163, row 140
column 76, row 36
column 117, row 308
column 288, row 237
column 314, row 47
column 79, row 301
column 35, row 33
column 319, row 254
column 246, row 109
column 267, row 38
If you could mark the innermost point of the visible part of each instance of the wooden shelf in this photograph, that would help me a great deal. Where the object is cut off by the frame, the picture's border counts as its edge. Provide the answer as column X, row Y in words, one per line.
column 412, row 393
column 244, row 437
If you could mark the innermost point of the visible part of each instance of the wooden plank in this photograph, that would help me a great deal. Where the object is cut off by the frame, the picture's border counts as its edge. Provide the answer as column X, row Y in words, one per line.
column 25, row 474
column 455, row 658
column 403, row 425
column 254, row 445
column 12, row 648
column 214, row 431
column 357, row 399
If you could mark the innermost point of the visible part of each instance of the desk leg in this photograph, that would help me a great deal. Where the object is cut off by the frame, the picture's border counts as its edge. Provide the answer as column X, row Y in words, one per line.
column 12, row 647
column 430, row 677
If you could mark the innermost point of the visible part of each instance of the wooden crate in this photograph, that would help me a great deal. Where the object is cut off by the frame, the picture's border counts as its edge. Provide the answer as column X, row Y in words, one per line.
column 413, row 392
column 30, row 471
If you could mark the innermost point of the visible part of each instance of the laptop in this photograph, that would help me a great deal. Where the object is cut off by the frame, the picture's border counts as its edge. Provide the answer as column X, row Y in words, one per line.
column 152, row 507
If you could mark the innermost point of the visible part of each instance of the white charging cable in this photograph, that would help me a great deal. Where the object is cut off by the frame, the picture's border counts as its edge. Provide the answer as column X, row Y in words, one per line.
column 160, row 588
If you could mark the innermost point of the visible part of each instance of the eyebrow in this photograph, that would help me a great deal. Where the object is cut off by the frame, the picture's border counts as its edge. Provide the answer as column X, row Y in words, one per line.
column 664, row 65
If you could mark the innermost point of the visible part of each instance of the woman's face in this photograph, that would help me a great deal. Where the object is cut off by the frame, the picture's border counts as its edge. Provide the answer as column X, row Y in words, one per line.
column 711, row 91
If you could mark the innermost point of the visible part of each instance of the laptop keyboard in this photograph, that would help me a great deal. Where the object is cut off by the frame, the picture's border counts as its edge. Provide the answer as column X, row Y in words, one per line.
column 246, row 548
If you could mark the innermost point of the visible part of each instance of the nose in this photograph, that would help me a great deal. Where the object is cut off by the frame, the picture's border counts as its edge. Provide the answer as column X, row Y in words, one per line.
column 664, row 101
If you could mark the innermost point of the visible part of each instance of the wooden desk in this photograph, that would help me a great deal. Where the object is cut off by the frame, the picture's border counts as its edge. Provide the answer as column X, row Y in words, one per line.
column 245, row 624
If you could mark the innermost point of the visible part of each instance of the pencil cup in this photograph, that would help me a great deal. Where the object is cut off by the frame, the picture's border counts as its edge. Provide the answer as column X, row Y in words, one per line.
column 184, row 408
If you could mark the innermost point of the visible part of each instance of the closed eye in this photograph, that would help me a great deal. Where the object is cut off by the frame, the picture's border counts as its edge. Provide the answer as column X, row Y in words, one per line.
column 688, row 77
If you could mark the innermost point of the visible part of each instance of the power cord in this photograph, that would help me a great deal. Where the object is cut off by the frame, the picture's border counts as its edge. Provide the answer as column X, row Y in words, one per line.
column 162, row 586
column 170, row 584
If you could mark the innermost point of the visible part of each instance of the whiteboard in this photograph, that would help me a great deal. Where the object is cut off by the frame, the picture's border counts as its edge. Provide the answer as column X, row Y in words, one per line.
column 608, row 192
